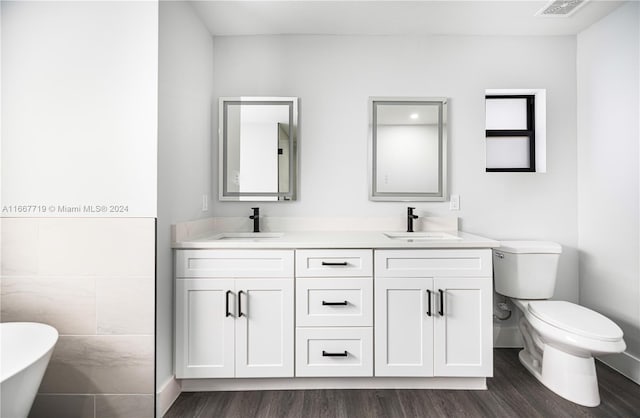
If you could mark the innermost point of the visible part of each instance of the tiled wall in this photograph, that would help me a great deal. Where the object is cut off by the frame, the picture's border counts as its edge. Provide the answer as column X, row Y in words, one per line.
column 93, row 280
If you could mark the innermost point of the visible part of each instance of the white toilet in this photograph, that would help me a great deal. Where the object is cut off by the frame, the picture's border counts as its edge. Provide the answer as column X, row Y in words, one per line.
column 560, row 338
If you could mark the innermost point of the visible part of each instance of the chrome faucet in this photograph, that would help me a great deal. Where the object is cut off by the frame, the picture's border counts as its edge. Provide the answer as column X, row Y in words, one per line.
column 410, row 218
column 256, row 219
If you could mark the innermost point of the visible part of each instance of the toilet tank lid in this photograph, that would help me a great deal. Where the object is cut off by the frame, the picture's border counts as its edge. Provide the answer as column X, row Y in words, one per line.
column 530, row 247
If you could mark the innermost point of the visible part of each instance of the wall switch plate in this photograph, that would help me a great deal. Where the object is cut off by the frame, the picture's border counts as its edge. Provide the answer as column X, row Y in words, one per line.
column 205, row 203
column 454, row 202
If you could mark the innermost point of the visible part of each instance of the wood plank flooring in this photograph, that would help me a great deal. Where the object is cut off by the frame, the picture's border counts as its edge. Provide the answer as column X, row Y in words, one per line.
column 513, row 392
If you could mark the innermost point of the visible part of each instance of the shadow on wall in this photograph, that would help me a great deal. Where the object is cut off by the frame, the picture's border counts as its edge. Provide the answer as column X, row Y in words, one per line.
column 600, row 280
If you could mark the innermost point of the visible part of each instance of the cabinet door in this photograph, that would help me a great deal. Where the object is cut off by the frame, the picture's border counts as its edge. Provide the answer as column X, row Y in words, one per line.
column 264, row 328
column 204, row 332
column 463, row 340
column 403, row 330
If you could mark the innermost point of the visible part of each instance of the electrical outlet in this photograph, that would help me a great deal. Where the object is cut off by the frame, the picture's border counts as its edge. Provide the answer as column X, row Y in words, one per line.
column 205, row 202
column 454, row 203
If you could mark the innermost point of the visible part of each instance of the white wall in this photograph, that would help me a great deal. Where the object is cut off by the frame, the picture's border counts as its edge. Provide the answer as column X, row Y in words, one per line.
column 79, row 107
column 184, row 149
column 608, row 68
column 335, row 75
column 79, row 112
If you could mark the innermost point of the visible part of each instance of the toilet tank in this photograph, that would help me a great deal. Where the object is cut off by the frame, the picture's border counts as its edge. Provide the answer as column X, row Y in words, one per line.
column 526, row 269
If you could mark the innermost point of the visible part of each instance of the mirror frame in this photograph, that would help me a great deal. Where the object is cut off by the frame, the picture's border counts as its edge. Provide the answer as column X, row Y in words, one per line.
column 439, row 196
column 223, row 194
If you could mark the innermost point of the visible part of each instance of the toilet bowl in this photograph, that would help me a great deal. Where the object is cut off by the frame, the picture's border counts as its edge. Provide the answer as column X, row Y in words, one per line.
column 560, row 338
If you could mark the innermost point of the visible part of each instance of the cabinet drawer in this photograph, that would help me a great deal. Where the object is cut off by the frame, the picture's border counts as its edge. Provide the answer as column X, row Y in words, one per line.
column 334, row 352
column 433, row 263
column 334, row 302
column 334, row 263
column 234, row 263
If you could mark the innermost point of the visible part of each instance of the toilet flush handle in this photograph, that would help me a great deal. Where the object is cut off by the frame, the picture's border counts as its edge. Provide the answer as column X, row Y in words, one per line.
column 499, row 255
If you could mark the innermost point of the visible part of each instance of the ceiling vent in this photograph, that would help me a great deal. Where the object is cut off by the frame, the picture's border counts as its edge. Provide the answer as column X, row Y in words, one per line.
column 561, row 8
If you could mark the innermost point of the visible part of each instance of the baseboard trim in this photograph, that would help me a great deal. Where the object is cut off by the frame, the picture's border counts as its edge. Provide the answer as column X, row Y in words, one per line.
column 167, row 395
column 302, row 383
column 624, row 363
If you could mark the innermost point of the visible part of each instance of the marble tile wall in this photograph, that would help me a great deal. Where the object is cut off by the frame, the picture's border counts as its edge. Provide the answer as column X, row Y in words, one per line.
column 93, row 279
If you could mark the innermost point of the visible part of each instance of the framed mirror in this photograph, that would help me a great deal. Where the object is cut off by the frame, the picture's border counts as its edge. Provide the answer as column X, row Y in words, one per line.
column 408, row 149
column 257, row 148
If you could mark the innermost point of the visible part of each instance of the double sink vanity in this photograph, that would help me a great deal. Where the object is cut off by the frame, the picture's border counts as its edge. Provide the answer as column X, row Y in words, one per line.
column 302, row 306
column 321, row 309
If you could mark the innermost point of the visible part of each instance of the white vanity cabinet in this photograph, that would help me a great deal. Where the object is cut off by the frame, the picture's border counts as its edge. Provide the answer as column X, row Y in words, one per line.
column 433, row 313
column 331, row 310
column 334, row 313
column 234, row 313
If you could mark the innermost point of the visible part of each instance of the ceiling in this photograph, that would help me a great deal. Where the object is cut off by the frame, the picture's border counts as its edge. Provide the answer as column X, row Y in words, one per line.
column 393, row 17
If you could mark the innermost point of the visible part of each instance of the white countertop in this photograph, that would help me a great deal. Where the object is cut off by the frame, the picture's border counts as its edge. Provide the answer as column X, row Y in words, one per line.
column 337, row 239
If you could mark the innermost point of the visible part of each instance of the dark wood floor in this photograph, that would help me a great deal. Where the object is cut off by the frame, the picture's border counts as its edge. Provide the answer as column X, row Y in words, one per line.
column 513, row 392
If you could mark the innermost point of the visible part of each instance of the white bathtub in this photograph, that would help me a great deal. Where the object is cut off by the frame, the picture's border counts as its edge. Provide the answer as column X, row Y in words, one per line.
column 25, row 350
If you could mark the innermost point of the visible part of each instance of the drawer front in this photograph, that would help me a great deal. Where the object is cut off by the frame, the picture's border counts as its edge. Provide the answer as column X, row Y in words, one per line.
column 334, row 263
column 234, row 263
column 339, row 352
column 433, row 263
column 334, row 302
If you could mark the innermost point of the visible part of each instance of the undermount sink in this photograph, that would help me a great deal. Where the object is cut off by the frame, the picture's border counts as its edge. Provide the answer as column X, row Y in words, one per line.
column 421, row 236
column 247, row 236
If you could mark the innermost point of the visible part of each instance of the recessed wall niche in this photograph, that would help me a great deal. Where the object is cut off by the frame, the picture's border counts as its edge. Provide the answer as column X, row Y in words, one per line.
column 515, row 130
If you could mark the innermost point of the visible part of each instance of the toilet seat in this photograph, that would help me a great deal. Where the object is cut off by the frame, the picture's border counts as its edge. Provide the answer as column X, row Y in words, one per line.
column 575, row 319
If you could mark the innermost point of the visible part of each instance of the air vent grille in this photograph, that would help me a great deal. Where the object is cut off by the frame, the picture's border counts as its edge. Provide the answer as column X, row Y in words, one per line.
column 561, row 8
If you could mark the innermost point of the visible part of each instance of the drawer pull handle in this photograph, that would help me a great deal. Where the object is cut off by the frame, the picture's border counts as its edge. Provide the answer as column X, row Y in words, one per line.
column 226, row 308
column 325, row 354
column 240, row 304
column 334, row 263
column 325, row 303
column 428, row 302
column 441, row 311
